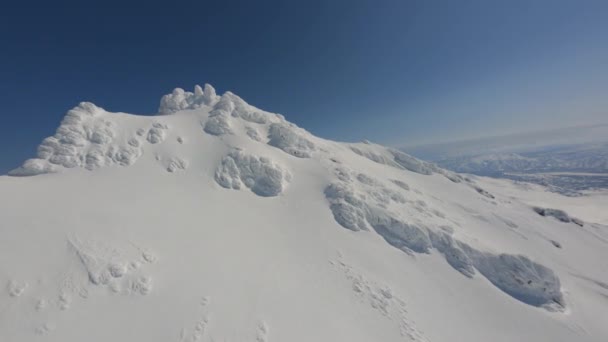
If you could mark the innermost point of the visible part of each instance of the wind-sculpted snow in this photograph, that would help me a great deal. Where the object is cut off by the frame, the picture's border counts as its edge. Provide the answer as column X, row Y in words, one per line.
column 259, row 174
column 32, row 167
column 558, row 214
column 231, row 106
column 405, row 236
column 157, row 133
column 392, row 157
column 84, row 139
column 364, row 204
column 348, row 210
column 290, row 139
column 181, row 100
column 416, row 243
column 453, row 253
column 520, row 277
column 360, row 202
column 253, row 133
column 219, row 118
column 177, row 164
column 401, row 160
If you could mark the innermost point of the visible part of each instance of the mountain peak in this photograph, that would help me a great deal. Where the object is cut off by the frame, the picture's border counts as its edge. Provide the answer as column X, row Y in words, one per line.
column 180, row 99
column 247, row 196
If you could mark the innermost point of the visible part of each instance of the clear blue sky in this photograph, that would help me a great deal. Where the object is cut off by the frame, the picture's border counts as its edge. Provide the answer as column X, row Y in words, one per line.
column 397, row 72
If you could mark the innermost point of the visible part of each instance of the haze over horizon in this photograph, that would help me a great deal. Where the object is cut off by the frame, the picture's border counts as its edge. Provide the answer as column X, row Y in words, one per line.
column 395, row 72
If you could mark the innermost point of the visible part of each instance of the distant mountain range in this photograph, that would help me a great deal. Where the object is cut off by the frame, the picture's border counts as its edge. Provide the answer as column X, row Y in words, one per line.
column 587, row 158
column 565, row 160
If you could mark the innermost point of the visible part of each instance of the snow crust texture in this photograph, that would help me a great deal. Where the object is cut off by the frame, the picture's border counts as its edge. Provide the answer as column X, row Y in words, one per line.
column 359, row 202
column 401, row 160
column 231, row 106
column 383, row 299
column 86, row 139
column 259, row 174
column 182, row 100
column 290, row 139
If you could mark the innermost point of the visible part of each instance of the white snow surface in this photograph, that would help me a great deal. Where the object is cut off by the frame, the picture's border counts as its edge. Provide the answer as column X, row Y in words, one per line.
column 218, row 221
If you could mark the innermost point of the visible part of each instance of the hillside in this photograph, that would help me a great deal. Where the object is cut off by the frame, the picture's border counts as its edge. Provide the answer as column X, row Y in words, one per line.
column 218, row 221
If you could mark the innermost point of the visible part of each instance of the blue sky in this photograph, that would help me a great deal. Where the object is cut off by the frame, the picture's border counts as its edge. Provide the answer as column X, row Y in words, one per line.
column 397, row 72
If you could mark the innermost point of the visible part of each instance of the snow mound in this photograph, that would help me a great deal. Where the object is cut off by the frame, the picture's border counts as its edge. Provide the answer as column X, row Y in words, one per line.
column 400, row 160
column 16, row 288
column 392, row 157
column 181, row 100
column 521, row 278
column 558, row 214
column 84, row 139
column 253, row 134
column 157, row 133
column 452, row 251
column 403, row 185
column 516, row 275
column 32, row 167
column 219, row 118
column 290, row 139
column 359, row 202
column 403, row 235
column 177, row 164
column 483, row 192
column 231, row 106
column 259, row 174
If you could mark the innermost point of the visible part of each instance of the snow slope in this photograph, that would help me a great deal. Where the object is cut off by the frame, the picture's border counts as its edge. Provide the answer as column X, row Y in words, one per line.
column 218, row 221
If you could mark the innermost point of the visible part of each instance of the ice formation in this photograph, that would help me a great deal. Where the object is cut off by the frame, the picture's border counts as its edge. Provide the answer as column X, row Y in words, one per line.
column 259, row 174
column 85, row 138
column 181, row 100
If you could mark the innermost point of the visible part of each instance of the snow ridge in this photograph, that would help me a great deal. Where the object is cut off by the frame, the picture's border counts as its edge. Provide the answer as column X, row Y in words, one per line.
column 85, row 139
column 182, row 100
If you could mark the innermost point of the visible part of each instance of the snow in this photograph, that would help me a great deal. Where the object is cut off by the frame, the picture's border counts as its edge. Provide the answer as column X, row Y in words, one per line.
column 259, row 174
column 85, row 138
column 128, row 228
column 182, row 100
column 558, row 214
column 291, row 140
column 157, row 133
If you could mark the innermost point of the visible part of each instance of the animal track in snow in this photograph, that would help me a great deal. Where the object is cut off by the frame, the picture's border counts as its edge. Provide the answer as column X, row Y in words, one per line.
column 262, row 332
column 16, row 288
column 41, row 304
column 64, row 301
column 198, row 330
column 45, row 329
column 200, row 327
column 177, row 164
column 382, row 299
column 359, row 202
column 115, row 267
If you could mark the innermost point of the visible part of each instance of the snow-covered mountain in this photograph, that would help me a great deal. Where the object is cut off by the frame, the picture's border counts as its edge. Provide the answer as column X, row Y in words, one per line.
column 590, row 158
column 218, row 221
